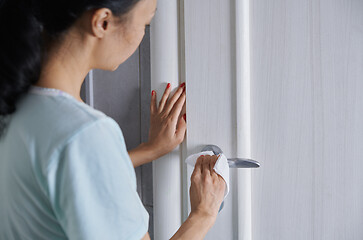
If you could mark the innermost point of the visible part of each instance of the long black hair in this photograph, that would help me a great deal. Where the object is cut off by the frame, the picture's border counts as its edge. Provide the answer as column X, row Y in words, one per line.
column 24, row 26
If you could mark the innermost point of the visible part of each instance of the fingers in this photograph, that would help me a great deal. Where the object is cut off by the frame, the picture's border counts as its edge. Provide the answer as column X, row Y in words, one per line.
column 177, row 108
column 180, row 131
column 199, row 163
column 198, row 167
column 175, row 98
column 153, row 106
column 169, row 105
column 164, row 98
column 205, row 166
column 212, row 163
column 214, row 174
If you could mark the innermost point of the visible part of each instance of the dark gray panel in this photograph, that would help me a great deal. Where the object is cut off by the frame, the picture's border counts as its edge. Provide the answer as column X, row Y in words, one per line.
column 151, row 222
column 83, row 91
column 145, row 81
column 87, row 89
column 117, row 94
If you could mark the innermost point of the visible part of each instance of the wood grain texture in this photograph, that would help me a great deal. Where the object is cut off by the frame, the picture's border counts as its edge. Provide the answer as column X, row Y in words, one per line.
column 307, row 119
column 211, row 99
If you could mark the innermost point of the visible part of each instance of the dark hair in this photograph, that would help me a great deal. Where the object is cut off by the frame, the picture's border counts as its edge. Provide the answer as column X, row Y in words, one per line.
column 24, row 24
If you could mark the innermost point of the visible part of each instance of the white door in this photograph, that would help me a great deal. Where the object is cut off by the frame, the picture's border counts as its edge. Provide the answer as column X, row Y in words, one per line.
column 278, row 81
column 307, row 119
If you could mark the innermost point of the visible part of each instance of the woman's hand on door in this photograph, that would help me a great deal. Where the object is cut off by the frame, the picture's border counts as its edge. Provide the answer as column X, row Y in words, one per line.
column 167, row 123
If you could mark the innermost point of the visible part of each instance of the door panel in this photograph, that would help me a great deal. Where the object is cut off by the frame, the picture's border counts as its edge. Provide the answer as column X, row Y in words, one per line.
column 211, row 97
column 307, row 119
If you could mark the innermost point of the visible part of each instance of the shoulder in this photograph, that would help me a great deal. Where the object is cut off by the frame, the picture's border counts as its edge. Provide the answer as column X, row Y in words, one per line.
column 51, row 121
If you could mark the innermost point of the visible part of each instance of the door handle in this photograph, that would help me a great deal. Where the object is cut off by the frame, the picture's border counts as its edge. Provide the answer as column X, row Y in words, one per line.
column 233, row 162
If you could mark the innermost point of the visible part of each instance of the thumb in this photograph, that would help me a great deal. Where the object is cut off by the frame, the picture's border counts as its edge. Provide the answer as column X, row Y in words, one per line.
column 182, row 127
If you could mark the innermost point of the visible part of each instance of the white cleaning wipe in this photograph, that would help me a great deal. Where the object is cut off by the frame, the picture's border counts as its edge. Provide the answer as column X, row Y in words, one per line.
column 221, row 167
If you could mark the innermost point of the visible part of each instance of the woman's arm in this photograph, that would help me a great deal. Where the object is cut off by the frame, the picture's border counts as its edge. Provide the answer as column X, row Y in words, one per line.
column 195, row 227
column 206, row 195
column 144, row 153
column 146, row 237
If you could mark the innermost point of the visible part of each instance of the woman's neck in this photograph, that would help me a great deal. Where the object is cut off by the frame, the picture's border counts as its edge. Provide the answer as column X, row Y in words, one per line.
column 66, row 66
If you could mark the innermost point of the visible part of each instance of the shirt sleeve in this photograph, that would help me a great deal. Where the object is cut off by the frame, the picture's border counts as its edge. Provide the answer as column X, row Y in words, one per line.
column 92, row 187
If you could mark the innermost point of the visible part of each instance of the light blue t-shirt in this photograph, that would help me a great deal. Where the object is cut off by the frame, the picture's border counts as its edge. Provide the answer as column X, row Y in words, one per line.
column 65, row 173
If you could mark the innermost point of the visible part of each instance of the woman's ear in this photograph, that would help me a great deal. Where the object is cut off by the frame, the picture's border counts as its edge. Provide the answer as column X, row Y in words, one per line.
column 100, row 21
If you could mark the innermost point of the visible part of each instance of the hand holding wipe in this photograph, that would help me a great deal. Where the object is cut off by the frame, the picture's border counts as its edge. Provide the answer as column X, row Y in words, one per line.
column 221, row 167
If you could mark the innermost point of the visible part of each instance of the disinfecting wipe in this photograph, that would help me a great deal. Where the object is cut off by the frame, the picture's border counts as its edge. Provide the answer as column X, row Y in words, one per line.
column 221, row 167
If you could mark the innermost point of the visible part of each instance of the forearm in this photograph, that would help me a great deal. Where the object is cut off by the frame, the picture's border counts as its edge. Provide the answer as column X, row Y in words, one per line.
column 194, row 228
column 142, row 154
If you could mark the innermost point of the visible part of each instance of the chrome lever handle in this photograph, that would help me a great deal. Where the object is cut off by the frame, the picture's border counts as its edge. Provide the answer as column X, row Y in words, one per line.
column 233, row 162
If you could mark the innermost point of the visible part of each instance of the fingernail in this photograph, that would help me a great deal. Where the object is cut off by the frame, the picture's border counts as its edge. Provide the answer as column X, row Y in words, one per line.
column 184, row 89
column 185, row 116
column 168, row 86
column 202, row 155
column 182, row 85
column 152, row 93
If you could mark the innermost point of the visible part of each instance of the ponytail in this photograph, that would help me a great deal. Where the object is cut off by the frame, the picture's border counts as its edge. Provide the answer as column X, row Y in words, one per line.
column 20, row 53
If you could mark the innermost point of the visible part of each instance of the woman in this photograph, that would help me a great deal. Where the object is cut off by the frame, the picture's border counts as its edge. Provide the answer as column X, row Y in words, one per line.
column 64, row 169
